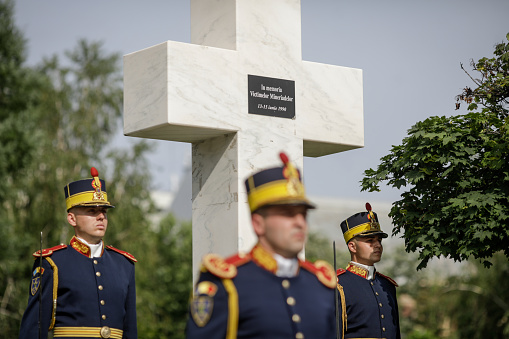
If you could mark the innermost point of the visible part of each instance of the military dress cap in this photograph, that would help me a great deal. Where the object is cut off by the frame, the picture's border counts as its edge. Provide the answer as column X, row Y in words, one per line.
column 276, row 186
column 87, row 192
column 362, row 224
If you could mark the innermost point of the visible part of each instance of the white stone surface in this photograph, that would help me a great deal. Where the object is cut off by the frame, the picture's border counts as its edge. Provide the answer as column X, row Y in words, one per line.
column 198, row 93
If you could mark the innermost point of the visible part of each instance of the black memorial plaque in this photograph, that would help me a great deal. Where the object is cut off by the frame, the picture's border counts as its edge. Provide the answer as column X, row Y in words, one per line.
column 270, row 96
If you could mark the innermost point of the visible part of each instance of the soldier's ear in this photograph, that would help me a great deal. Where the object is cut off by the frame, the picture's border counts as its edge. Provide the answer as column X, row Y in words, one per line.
column 258, row 224
column 71, row 219
column 352, row 246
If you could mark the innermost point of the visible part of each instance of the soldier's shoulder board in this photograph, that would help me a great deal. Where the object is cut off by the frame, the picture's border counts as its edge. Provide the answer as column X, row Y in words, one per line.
column 388, row 278
column 340, row 271
column 323, row 271
column 48, row 251
column 219, row 267
column 124, row 253
column 238, row 259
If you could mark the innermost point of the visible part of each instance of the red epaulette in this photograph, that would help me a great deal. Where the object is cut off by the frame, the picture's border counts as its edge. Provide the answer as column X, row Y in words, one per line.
column 219, row 267
column 238, row 259
column 388, row 278
column 340, row 271
column 323, row 271
column 124, row 253
column 48, row 251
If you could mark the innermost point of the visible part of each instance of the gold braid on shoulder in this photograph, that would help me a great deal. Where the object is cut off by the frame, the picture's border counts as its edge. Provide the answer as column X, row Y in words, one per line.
column 343, row 308
column 55, row 290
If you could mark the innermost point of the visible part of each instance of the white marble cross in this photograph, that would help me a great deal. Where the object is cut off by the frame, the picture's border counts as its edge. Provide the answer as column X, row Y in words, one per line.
column 199, row 93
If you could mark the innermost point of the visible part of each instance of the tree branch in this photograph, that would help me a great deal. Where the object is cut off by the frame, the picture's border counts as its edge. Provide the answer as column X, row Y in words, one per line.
column 475, row 81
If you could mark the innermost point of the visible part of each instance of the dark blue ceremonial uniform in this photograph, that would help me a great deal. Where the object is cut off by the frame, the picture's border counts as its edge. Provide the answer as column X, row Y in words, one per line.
column 255, row 303
column 370, row 305
column 91, row 294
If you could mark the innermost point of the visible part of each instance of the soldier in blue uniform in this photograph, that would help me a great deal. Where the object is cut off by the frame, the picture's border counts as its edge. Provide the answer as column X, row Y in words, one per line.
column 367, row 299
column 268, row 292
column 86, row 289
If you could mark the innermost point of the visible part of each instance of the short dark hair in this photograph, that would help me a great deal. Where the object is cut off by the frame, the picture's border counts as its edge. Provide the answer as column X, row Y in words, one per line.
column 261, row 211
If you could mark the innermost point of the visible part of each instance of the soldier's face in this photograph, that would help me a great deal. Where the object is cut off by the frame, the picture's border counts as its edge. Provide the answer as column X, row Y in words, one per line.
column 282, row 229
column 366, row 250
column 90, row 223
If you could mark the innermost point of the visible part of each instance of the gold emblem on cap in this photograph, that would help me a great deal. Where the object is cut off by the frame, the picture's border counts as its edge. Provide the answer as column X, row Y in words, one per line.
column 98, row 196
column 374, row 225
column 294, row 186
column 96, row 184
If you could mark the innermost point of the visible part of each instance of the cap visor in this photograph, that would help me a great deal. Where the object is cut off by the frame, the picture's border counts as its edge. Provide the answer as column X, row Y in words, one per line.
column 94, row 205
column 372, row 233
column 291, row 203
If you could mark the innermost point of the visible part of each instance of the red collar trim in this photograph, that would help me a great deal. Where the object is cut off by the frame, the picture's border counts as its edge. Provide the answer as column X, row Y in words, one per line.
column 263, row 258
column 80, row 247
column 357, row 270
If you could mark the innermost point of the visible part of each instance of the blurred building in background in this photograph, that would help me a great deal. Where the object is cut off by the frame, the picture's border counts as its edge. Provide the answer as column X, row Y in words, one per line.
column 324, row 220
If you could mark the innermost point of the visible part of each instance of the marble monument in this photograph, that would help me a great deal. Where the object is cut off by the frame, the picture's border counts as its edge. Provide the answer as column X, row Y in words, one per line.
column 240, row 93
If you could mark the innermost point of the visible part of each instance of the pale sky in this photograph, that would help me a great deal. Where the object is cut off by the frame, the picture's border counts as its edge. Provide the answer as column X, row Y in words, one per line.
column 410, row 53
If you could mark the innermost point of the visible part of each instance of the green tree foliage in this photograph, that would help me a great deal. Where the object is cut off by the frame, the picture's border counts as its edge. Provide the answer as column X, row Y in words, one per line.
column 18, row 95
column 478, row 303
column 456, row 173
column 52, row 137
column 18, row 92
column 470, row 304
column 56, row 121
column 164, row 283
column 319, row 247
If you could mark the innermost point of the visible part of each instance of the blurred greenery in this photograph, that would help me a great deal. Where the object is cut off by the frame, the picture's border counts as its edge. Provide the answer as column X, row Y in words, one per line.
column 164, row 280
column 319, row 247
column 455, row 171
column 58, row 119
